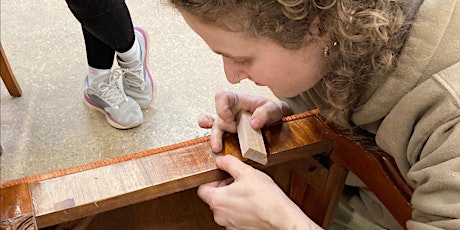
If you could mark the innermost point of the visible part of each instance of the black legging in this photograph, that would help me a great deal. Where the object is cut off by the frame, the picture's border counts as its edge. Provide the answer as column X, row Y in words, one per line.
column 107, row 27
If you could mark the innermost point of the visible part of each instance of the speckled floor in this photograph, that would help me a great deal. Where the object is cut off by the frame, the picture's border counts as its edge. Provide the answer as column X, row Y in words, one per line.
column 50, row 128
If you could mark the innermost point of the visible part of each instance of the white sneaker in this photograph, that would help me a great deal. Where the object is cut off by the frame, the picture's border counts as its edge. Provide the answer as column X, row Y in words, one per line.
column 137, row 80
column 108, row 97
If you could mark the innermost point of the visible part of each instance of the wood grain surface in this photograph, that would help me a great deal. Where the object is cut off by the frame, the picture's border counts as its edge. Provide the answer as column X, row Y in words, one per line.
column 17, row 209
column 251, row 141
column 98, row 190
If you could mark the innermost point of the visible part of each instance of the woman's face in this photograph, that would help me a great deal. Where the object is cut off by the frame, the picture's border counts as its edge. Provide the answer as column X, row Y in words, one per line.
column 286, row 72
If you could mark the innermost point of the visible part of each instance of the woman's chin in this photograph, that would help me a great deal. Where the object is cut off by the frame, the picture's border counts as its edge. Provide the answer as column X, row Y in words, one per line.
column 284, row 94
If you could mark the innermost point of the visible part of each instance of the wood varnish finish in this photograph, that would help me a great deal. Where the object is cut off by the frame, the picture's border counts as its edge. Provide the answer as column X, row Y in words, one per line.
column 301, row 147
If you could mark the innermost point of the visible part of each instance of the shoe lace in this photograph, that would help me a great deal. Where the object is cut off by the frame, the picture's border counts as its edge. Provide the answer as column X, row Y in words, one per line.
column 134, row 77
column 111, row 91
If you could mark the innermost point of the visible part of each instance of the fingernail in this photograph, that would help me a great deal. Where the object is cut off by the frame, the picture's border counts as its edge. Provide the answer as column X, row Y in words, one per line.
column 214, row 148
column 255, row 123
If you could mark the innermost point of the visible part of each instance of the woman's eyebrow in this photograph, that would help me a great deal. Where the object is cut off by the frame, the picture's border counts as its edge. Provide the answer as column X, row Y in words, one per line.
column 222, row 53
column 226, row 55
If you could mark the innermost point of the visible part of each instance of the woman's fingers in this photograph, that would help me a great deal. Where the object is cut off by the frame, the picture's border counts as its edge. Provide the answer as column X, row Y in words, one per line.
column 206, row 120
column 216, row 138
column 218, row 127
column 229, row 104
column 267, row 113
column 234, row 166
column 206, row 191
column 264, row 110
column 226, row 103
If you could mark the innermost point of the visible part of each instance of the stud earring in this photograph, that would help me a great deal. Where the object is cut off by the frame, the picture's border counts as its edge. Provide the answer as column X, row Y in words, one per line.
column 238, row 78
column 326, row 50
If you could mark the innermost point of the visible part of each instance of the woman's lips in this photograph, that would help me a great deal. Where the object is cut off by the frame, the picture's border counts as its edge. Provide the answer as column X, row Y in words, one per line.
column 258, row 84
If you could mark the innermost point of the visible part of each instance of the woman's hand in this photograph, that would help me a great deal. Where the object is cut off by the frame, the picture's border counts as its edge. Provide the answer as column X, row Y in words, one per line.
column 251, row 200
column 229, row 104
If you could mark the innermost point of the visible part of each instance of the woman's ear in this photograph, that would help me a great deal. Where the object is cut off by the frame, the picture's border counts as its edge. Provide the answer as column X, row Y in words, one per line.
column 318, row 31
column 315, row 27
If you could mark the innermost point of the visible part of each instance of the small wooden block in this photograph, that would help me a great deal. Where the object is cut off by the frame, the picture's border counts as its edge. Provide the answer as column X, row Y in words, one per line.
column 251, row 141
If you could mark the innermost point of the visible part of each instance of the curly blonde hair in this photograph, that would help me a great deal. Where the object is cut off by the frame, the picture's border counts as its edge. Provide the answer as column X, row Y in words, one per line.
column 366, row 38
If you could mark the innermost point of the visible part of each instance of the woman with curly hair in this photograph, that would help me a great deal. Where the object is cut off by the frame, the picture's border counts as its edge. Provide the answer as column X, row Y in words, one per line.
column 390, row 68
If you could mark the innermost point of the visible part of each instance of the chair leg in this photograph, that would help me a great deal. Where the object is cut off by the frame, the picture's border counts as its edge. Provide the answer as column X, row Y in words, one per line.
column 331, row 195
column 8, row 77
column 319, row 203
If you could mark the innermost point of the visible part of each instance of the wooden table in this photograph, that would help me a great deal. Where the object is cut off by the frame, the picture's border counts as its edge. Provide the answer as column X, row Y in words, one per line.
column 302, row 144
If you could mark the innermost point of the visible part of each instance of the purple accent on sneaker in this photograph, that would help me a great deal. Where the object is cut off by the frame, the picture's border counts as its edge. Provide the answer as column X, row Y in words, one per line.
column 146, row 54
column 89, row 100
column 100, row 108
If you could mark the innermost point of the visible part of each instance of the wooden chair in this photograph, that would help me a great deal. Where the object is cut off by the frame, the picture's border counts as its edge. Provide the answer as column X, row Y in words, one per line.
column 7, row 75
column 302, row 147
column 374, row 167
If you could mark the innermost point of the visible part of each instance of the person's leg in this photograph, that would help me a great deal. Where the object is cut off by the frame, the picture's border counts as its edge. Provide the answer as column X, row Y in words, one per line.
column 107, row 28
column 100, row 58
column 139, row 83
column 107, row 20
column 110, row 22
column 99, row 54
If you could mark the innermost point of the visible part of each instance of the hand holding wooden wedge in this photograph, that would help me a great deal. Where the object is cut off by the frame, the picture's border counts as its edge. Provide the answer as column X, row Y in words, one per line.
column 251, row 141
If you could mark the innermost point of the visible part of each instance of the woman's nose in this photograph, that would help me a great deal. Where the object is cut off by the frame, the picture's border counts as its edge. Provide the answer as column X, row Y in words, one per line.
column 232, row 72
column 234, row 78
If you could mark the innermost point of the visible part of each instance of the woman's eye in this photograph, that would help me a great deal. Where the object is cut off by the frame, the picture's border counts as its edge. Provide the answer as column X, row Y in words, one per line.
column 240, row 61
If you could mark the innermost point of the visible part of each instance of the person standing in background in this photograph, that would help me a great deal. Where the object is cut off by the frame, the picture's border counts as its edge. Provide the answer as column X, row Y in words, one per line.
column 120, row 94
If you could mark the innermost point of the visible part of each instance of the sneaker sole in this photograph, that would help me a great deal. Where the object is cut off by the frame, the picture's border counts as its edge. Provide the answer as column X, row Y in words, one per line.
column 146, row 42
column 88, row 102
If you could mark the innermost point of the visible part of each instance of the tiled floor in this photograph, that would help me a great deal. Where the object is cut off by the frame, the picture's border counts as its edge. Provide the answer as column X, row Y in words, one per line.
column 50, row 128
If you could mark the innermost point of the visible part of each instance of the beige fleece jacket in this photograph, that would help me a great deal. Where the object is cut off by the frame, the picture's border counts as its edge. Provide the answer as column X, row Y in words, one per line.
column 415, row 115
